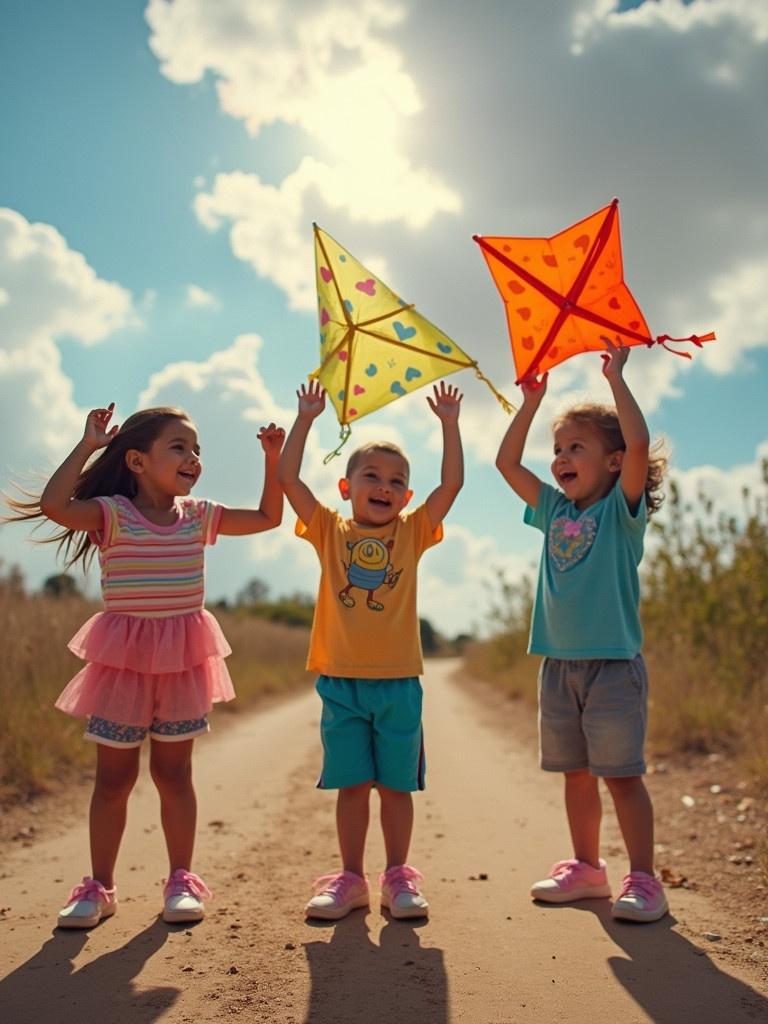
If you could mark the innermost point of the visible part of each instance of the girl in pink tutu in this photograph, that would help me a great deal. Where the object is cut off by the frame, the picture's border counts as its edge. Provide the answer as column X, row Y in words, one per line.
column 154, row 657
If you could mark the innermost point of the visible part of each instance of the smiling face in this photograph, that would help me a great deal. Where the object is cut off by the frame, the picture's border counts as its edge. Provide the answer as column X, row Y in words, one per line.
column 171, row 467
column 583, row 467
column 377, row 486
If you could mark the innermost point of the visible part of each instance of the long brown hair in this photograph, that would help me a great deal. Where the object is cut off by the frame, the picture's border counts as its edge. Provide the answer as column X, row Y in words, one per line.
column 103, row 476
column 604, row 420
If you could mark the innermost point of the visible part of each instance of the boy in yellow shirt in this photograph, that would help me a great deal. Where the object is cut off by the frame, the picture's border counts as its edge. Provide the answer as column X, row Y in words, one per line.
column 365, row 646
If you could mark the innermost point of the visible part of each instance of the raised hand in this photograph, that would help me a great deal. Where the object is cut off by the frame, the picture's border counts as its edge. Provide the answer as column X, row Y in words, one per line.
column 311, row 400
column 534, row 389
column 446, row 403
column 271, row 438
column 96, row 433
column 615, row 358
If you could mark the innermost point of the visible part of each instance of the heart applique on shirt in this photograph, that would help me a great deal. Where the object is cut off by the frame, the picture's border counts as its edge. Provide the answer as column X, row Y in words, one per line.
column 570, row 540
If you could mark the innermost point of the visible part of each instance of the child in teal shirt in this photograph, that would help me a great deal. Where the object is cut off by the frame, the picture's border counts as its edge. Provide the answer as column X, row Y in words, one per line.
column 592, row 683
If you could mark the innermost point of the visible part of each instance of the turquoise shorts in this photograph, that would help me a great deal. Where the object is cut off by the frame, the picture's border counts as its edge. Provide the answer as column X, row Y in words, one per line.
column 371, row 732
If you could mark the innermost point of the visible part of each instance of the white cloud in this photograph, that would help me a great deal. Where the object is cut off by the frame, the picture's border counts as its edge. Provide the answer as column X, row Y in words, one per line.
column 723, row 487
column 456, row 595
column 50, row 292
column 741, row 320
column 199, row 298
column 326, row 71
column 600, row 16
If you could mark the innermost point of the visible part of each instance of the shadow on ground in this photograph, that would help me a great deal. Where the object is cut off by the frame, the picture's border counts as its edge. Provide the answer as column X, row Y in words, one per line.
column 48, row 988
column 353, row 980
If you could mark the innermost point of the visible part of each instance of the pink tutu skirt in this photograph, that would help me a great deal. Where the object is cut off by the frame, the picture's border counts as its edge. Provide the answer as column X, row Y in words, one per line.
column 139, row 669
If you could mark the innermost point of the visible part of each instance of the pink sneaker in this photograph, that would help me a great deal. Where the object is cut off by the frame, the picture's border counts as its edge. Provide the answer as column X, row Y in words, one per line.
column 641, row 898
column 183, row 895
column 336, row 895
column 400, row 894
column 87, row 904
column 570, row 880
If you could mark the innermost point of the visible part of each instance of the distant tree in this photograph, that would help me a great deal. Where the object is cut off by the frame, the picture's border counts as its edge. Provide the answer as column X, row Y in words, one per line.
column 12, row 581
column 255, row 591
column 460, row 642
column 431, row 641
column 61, row 585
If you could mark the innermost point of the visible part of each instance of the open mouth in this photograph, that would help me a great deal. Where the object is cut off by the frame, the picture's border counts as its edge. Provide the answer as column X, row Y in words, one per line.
column 567, row 476
column 190, row 477
column 380, row 502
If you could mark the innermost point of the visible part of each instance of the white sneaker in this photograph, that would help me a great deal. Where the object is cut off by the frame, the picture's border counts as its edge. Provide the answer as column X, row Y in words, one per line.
column 337, row 895
column 88, row 903
column 183, row 895
column 400, row 894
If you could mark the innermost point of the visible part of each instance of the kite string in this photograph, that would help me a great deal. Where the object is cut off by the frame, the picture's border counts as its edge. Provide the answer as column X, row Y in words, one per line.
column 344, row 435
column 506, row 405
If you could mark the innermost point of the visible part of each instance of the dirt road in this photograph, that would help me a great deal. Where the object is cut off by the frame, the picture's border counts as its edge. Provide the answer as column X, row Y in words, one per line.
column 488, row 823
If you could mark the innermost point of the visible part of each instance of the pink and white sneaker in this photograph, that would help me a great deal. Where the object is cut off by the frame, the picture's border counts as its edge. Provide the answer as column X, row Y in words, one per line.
column 400, row 894
column 88, row 903
column 336, row 895
column 183, row 895
column 571, row 880
column 641, row 898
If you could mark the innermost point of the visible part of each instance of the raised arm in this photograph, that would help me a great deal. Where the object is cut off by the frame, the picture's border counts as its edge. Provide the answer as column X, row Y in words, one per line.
column 311, row 404
column 236, row 522
column 56, row 501
column 446, row 405
column 523, row 482
column 634, row 464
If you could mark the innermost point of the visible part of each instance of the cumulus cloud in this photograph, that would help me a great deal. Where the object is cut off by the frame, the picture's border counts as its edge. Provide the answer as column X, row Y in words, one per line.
column 327, row 71
column 199, row 298
column 50, row 292
column 602, row 16
column 457, row 579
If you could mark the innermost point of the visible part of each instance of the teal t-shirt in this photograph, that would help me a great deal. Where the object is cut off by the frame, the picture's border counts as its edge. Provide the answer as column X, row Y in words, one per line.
column 588, row 593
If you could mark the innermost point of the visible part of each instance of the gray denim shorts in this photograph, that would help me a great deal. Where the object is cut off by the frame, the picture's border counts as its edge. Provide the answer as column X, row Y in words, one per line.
column 593, row 714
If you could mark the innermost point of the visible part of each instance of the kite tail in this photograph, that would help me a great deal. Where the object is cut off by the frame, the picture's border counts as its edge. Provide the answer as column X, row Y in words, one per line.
column 344, row 434
column 696, row 339
column 506, row 406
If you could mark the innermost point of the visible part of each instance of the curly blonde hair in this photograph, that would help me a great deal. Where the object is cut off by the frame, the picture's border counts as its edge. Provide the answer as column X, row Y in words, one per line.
column 604, row 420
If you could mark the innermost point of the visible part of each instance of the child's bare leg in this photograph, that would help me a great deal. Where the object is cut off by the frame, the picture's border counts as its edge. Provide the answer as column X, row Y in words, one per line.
column 116, row 773
column 352, row 815
column 635, row 813
column 396, row 824
column 170, row 765
column 584, row 810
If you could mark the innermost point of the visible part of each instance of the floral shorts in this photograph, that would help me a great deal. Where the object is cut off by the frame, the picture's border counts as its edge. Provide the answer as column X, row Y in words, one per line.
column 114, row 734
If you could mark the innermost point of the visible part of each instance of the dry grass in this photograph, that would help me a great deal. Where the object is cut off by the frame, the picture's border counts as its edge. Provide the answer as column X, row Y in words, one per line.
column 38, row 744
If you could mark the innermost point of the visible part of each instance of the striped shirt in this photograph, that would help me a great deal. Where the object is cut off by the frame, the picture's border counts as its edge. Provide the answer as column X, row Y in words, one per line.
column 154, row 571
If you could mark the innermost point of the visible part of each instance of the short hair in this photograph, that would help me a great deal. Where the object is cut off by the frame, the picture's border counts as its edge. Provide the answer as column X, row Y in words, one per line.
column 375, row 446
column 604, row 421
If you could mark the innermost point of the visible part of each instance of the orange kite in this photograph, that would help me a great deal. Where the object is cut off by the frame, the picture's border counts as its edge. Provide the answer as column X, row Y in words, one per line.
column 564, row 294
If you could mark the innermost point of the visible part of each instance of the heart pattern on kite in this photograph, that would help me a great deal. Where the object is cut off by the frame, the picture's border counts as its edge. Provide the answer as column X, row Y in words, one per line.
column 412, row 373
column 397, row 388
column 403, row 332
column 368, row 286
column 445, row 349
column 326, row 275
column 371, row 370
column 358, row 390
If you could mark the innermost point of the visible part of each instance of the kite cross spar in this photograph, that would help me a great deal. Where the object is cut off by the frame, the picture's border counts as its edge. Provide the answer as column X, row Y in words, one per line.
column 374, row 348
column 563, row 293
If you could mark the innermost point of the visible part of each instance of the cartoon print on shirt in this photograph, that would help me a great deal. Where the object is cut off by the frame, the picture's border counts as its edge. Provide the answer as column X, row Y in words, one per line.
column 570, row 540
column 369, row 568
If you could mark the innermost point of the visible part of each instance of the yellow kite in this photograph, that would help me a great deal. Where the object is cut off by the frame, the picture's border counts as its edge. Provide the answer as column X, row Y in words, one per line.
column 374, row 348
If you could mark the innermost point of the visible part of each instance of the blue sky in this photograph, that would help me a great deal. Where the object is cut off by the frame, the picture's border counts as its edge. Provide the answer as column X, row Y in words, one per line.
column 163, row 163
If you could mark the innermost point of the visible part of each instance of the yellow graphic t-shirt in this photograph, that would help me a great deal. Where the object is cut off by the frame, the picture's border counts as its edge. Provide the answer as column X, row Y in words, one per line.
column 366, row 625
